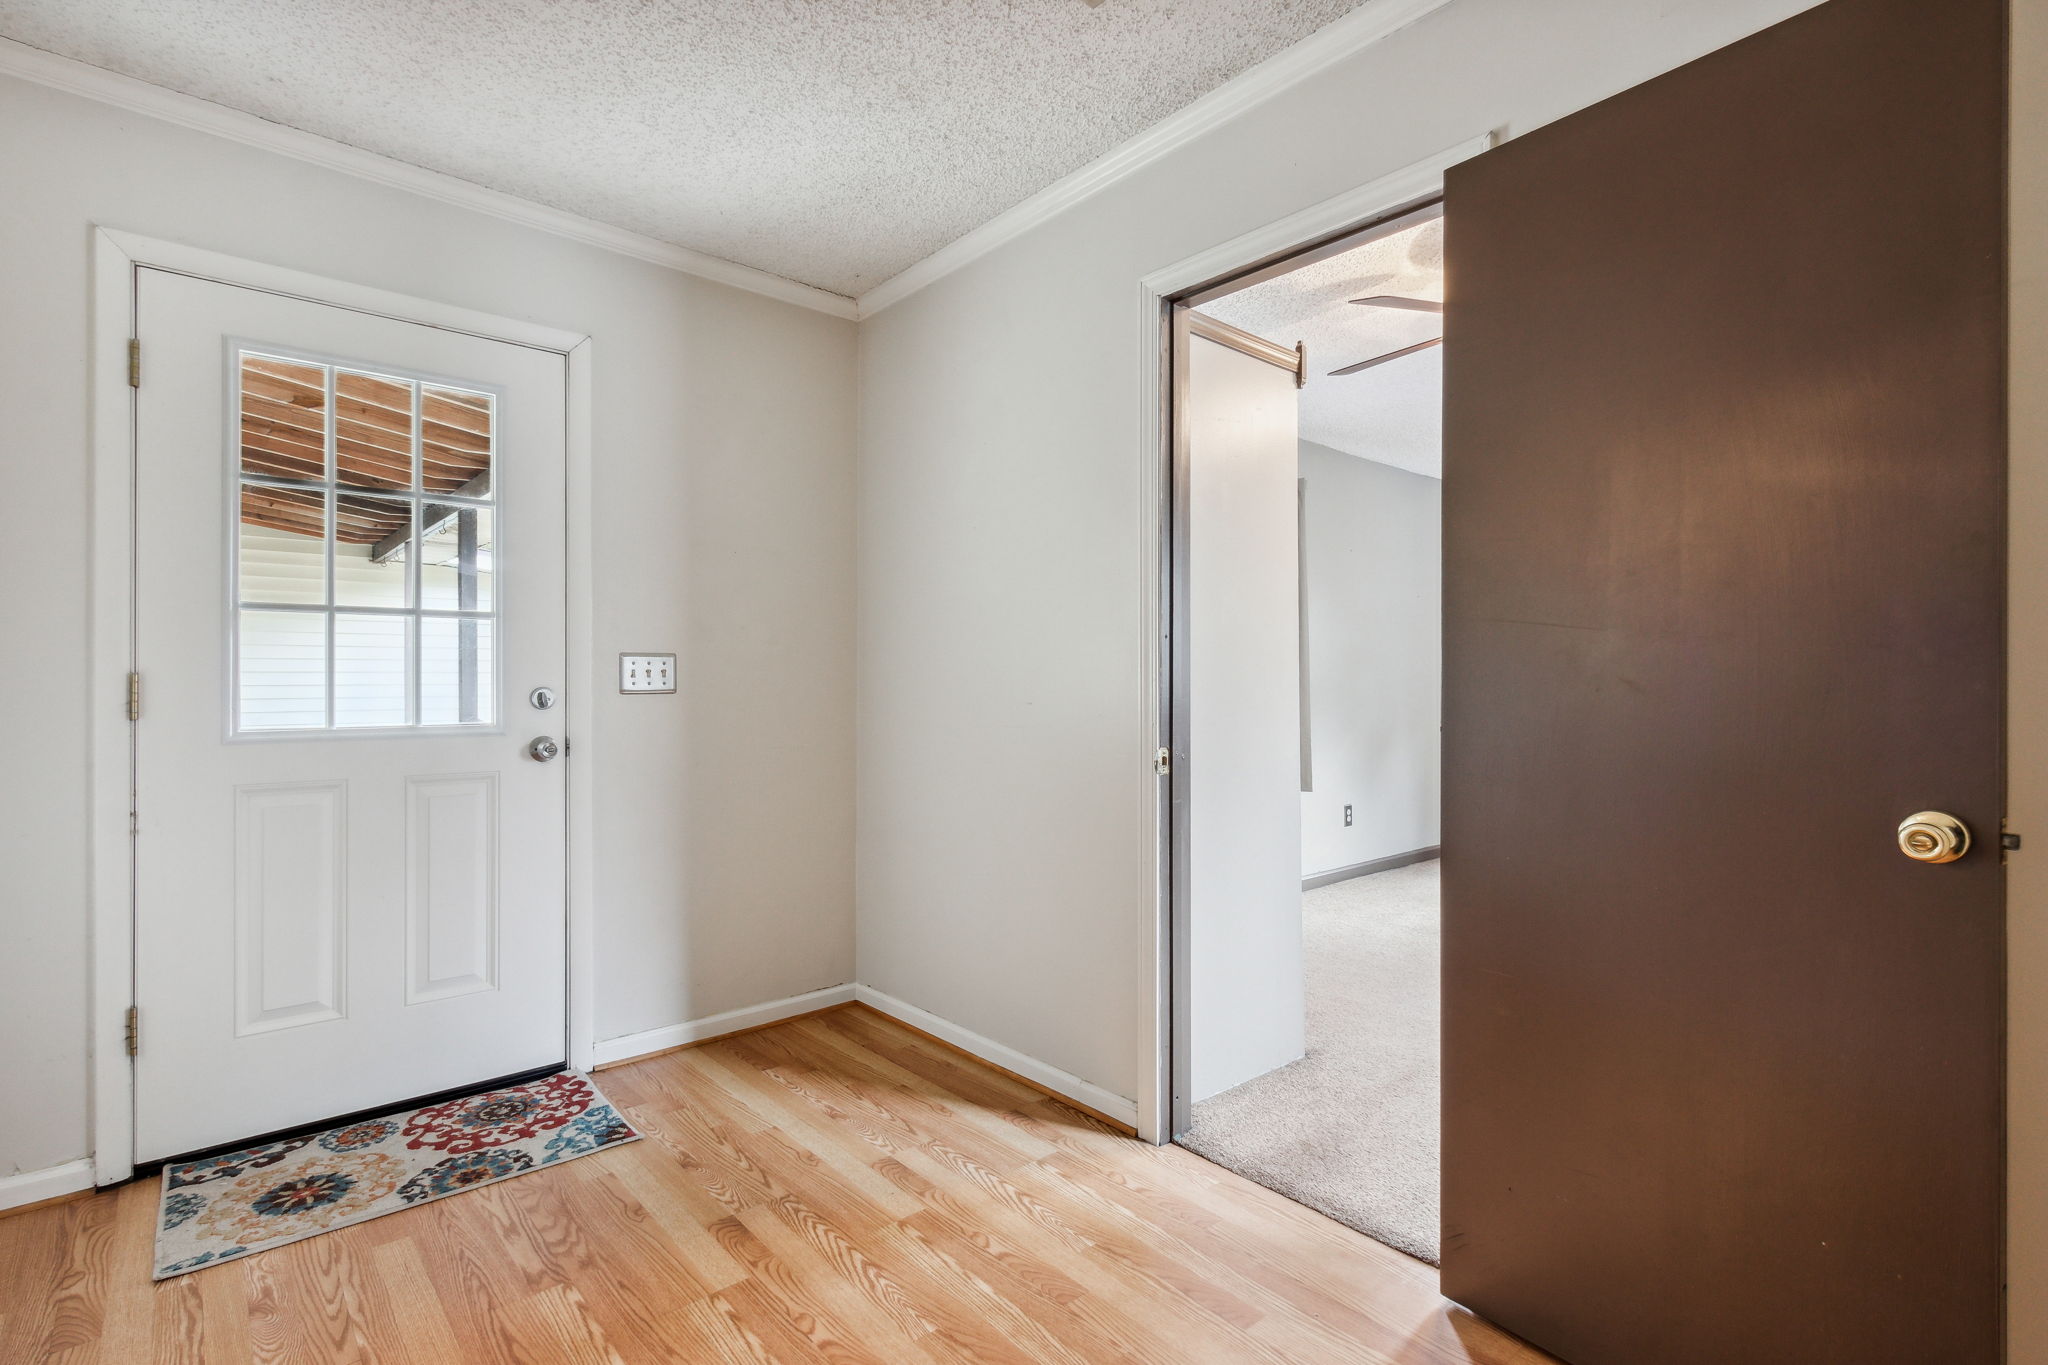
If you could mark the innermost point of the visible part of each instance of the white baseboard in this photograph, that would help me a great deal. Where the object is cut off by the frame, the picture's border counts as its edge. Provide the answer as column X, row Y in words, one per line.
column 632, row 1045
column 32, row 1187
column 614, row 1050
column 1008, row 1058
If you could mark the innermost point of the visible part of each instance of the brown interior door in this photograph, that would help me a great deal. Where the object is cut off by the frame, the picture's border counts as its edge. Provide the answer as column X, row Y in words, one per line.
column 1725, row 469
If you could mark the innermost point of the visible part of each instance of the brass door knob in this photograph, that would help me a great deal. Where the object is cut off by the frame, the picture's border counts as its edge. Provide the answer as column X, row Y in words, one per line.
column 1933, row 836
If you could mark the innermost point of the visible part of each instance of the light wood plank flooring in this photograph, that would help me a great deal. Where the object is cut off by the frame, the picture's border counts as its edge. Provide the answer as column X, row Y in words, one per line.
column 834, row 1189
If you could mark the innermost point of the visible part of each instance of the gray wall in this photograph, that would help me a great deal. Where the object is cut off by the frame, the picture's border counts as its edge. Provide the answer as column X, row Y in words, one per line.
column 1005, row 784
column 1374, row 542
column 723, row 476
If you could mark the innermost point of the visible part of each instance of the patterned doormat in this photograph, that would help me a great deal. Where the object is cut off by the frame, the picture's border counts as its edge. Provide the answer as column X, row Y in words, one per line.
column 222, row 1208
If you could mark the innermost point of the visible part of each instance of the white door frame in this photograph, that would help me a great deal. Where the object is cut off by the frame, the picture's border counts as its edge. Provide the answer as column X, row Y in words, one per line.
column 1407, row 186
column 116, row 257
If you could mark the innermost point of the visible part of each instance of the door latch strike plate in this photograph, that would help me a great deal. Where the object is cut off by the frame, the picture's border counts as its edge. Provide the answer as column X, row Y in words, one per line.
column 2008, row 841
column 1162, row 762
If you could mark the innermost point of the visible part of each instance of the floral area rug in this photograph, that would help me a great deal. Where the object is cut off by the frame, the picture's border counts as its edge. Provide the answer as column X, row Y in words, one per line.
column 221, row 1208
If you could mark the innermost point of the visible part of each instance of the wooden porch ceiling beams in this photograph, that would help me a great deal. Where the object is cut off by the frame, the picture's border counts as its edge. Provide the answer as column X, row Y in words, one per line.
column 283, row 428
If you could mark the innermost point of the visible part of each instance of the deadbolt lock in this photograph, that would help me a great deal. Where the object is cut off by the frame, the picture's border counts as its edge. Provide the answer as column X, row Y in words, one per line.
column 1933, row 836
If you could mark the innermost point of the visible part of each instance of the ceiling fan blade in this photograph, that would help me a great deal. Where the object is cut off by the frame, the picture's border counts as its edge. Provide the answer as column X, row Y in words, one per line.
column 1390, row 355
column 1397, row 301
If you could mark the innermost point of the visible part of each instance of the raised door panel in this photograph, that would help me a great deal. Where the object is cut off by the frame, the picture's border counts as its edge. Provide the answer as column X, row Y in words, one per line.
column 291, row 855
column 451, row 886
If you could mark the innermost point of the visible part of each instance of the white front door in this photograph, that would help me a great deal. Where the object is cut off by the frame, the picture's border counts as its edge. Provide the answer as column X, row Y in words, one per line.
column 349, row 578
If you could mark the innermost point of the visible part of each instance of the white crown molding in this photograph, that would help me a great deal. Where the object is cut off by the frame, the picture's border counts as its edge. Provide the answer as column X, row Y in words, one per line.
column 1318, row 52
column 1332, row 44
column 189, row 111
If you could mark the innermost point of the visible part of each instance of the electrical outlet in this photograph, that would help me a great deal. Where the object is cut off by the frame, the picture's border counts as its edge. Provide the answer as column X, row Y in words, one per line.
column 1347, row 817
column 647, row 673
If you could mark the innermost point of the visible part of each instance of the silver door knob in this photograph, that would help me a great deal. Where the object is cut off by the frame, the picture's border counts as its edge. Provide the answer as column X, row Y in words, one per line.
column 1932, row 836
column 543, row 749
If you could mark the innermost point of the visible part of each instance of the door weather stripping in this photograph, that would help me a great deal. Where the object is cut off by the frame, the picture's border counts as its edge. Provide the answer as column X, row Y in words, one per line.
column 1252, row 344
column 134, row 363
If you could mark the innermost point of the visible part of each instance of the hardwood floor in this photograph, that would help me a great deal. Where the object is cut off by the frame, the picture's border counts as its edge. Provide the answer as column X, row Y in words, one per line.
column 832, row 1189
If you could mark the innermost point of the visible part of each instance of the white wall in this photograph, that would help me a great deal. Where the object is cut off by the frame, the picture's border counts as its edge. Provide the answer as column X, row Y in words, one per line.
column 1248, row 1002
column 1004, row 781
column 723, row 486
column 1375, row 628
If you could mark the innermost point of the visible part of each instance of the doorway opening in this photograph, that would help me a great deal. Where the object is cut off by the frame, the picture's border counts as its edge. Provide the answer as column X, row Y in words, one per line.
column 1307, row 425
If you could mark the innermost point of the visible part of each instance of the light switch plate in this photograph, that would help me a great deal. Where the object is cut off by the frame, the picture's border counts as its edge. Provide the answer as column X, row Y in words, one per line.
column 647, row 673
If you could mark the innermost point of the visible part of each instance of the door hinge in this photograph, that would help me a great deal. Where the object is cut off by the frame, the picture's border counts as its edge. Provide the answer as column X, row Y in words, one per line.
column 135, row 696
column 1162, row 762
column 134, row 1030
column 134, row 362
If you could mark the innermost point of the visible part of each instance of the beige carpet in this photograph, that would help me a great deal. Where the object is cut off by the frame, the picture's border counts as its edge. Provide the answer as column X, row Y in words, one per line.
column 1351, row 1129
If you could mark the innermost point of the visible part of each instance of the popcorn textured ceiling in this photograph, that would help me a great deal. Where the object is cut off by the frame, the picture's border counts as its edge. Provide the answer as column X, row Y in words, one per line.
column 830, row 142
column 1392, row 413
